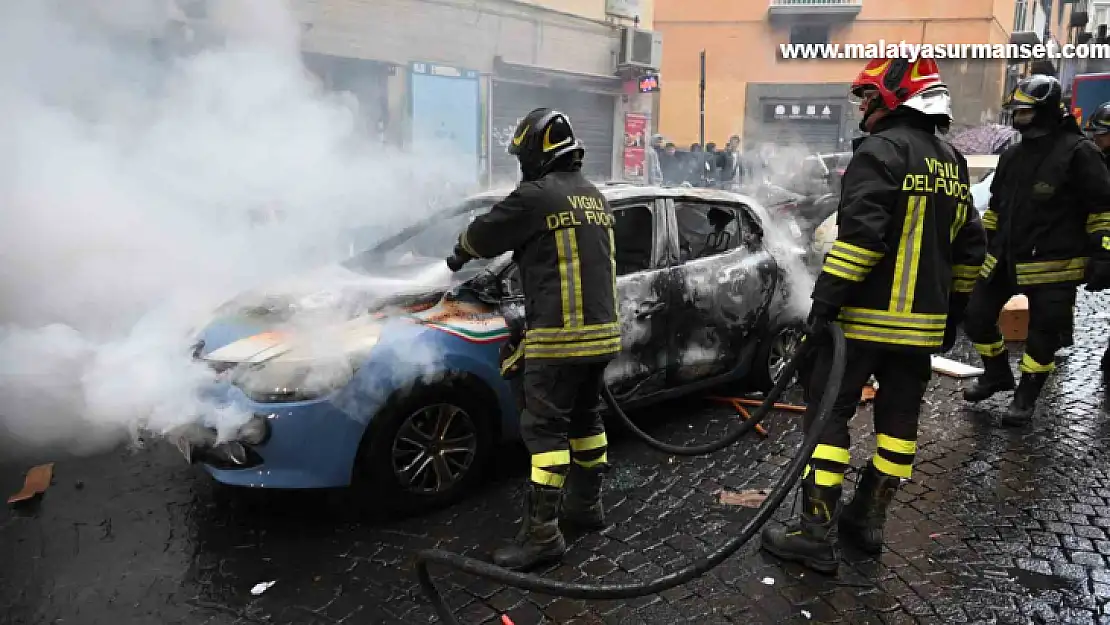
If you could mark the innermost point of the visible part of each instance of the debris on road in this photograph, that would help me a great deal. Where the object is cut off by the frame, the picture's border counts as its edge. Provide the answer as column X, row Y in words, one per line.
column 262, row 587
column 35, row 484
column 770, row 581
column 745, row 498
column 758, row 402
column 868, row 392
column 955, row 368
column 738, row 404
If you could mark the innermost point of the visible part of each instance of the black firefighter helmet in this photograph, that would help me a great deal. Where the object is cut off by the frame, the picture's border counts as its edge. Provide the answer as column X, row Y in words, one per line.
column 1041, row 94
column 544, row 142
column 1099, row 121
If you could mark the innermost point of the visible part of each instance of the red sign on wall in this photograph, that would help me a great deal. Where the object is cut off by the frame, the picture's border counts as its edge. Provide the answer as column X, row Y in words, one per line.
column 635, row 142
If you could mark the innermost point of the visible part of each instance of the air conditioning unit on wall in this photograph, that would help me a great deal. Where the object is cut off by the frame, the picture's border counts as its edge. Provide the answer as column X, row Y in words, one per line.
column 639, row 49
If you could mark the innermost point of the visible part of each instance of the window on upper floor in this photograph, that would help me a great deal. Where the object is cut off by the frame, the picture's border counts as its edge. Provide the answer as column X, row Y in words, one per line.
column 810, row 34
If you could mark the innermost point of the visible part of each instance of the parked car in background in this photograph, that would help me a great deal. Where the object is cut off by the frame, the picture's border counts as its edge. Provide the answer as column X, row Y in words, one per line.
column 395, row 387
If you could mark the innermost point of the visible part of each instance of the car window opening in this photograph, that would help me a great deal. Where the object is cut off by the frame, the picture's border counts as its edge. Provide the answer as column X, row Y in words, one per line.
column 633, row 234
column 706, row 230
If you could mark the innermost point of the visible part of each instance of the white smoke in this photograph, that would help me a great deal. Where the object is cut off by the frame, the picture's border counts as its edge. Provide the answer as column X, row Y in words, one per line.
column 141, row 185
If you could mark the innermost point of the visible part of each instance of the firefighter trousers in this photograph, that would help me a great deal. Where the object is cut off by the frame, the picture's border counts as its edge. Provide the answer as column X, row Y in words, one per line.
column 1051, row 313
column 902, row 377
column 560, row 422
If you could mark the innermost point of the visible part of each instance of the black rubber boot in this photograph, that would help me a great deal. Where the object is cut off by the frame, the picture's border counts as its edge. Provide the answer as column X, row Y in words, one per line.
column 582, row 503
column 862, row 521
column 1025, row 399
column 539, row 540
column 1105, row 367
column 997, row 377
column 810, row 539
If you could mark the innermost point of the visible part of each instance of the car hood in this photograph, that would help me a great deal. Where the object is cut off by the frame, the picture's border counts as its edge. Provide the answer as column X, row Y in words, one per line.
column 326, row 299
column 336, row 290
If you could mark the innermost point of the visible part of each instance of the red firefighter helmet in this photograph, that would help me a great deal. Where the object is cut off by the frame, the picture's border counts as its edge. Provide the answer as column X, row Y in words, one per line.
column 897, row 80
column 902, row 82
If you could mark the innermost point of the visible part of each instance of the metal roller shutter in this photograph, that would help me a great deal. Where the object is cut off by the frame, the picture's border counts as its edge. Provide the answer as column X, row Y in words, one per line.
column 812, row 124
column 814, row 137
column 591, row 114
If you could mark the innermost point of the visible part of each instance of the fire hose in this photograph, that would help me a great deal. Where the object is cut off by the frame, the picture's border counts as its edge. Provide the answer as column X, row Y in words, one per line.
column 596, row 592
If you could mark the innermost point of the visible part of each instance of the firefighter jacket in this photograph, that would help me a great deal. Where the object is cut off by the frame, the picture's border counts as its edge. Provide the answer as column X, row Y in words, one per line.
column 908, row 238
column 1049, row 210
column 560, row 229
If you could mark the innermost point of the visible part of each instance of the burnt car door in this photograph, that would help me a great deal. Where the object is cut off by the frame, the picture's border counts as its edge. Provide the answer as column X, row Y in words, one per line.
column 724, row 283
column 640, row 231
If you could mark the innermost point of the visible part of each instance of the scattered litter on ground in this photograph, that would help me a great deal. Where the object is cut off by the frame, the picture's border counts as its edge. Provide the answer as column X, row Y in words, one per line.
column 738, row 405
column 807, row 614
column 746, row 498
column 955, row 369
column 505, row 620
column 867, row 395
column 35, row 484
column 770, row 581
column 868, row 392
column 759, row 402
column 262, row 587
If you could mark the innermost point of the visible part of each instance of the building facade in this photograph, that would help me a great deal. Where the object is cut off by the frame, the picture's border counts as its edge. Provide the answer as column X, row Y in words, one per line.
column 752, row 92
column 459, row 74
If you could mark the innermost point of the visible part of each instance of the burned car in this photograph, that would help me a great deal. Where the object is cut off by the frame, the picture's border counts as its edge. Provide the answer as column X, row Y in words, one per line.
column 405, row 396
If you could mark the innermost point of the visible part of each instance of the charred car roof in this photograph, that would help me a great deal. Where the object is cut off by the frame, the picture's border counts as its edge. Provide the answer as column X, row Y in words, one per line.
column 620, row 191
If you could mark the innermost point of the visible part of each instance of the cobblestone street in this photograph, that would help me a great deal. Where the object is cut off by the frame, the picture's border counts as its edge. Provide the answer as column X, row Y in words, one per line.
column 996, row 526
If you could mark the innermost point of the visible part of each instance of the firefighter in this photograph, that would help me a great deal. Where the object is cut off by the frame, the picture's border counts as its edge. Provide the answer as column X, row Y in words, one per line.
column 908, row 246
column 1098, row 129
column 560, row 230
column 1048, row 228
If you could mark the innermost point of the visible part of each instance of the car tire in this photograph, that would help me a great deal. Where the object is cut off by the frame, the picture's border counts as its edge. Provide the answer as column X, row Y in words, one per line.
column 774, row 352
column 388, row 445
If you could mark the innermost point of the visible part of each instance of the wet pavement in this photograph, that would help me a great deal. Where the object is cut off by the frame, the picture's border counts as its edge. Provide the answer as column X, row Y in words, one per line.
column 996, row 526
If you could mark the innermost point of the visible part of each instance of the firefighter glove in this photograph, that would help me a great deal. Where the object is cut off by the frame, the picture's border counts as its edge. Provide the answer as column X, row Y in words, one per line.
column 458, row 258
column 821, row 316
column 1097, row 275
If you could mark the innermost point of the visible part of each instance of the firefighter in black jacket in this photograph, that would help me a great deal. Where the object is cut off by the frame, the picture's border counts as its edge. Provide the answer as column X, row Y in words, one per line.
column 908, row 246
column 1048, row 228
column 560, row 229
column 1098, row 129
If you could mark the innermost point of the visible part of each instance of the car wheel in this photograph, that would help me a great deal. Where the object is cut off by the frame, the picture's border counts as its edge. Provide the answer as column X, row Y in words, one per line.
column 425, row 450
column 775, row 351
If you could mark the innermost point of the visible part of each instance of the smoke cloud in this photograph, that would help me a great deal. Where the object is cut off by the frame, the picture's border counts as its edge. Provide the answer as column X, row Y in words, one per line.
column 149, row 171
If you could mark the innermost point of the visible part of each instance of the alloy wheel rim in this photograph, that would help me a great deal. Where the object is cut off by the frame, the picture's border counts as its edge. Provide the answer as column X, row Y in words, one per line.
column 434, row 448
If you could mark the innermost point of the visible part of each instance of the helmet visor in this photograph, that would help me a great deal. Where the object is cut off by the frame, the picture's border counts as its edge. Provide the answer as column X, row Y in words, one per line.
column 859, row 95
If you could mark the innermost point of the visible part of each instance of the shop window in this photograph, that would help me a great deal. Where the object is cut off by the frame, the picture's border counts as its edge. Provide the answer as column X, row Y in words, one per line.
column 633, row 233
column 803, row 35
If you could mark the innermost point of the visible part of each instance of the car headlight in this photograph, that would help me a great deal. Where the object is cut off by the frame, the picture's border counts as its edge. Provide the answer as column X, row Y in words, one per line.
column 285, row 381
column 256, row 431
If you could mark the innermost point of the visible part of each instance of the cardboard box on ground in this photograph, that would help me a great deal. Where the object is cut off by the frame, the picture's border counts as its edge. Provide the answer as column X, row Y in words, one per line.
column 1014, row 319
